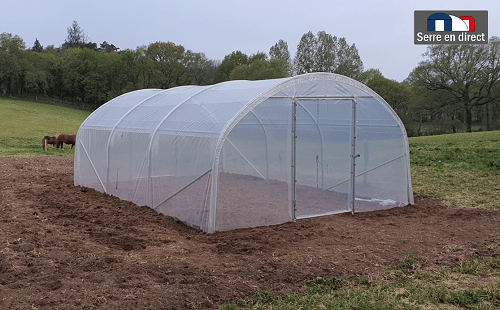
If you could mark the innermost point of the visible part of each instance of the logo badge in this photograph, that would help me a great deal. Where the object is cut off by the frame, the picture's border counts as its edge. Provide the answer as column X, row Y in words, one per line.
column 451, row 27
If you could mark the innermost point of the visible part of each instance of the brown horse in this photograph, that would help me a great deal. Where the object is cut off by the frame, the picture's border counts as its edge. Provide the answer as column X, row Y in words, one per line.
column 49, row 140
column 65, row 139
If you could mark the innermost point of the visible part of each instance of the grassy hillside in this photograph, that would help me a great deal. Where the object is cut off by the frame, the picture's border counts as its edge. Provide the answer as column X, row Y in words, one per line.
column 23, row 124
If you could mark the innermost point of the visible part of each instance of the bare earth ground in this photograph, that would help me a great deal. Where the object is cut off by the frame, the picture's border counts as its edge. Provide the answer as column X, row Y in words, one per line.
column 71, row 247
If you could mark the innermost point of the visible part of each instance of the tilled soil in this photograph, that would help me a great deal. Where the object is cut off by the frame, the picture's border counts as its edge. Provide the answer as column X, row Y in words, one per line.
column 69, row 247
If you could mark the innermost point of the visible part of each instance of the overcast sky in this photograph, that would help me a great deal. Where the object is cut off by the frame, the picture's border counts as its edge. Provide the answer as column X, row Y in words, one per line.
column 381, row 30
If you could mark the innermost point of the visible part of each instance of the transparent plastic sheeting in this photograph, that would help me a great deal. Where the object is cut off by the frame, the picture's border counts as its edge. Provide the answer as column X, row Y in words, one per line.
column 248, row 153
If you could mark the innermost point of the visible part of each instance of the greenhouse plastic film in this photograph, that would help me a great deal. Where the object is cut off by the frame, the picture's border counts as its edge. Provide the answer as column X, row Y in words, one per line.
column 219, row 157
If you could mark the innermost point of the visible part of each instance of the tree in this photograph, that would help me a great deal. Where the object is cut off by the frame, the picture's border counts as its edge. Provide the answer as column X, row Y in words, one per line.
column 369, row 75
column 349, row 62
column 51, row 49
column 305, row 57
column 55, row 72
column 468, row 74
column 90, row 45
column 394, row 93
column 76, row 37
column 37, row 47
column 21, row 71
column 11, row 43
column 259, row 68
column 199, row 70
column 126, row 73
column 280, row 52
column 88, row 75
column 231, row 61
column 11, row 62
column 167, row 60
column 145, row 67
column 36, row 76
column 108, row 48
column 327, row 54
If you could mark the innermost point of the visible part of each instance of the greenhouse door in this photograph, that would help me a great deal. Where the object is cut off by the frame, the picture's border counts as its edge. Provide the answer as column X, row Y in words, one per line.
column 322, row 161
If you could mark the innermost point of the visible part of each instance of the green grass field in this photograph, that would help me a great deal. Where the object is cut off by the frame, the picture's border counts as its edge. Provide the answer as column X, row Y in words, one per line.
column 23, row 124
column 459, row 169
column 457, row 288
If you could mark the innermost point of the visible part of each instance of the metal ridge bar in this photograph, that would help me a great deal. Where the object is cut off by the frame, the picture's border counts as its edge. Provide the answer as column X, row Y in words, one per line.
column 320, row 97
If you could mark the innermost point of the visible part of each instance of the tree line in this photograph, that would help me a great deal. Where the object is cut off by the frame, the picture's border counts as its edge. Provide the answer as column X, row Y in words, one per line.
column 456, row 88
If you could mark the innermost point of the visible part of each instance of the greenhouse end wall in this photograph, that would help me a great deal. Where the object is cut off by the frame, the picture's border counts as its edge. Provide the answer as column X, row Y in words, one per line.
column 248, row 153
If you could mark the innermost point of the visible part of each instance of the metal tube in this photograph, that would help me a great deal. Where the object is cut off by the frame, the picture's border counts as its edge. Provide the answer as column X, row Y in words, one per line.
column 294, row 150
column 267, row 155
column 265, row 138
column 321, row 97
column 353, row 157
column 244, row 157
column 365, row 172
column 92, row 164
column 180, row 190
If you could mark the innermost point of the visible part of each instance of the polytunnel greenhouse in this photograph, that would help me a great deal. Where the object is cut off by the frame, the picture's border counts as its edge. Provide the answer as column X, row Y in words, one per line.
column 248, row 153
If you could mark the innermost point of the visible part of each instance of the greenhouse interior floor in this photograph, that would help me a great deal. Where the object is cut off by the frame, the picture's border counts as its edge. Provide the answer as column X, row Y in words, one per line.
column 248, row 201
column 69, row 247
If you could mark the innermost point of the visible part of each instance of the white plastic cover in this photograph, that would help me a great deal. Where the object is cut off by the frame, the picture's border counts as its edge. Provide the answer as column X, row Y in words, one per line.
column 248, row 153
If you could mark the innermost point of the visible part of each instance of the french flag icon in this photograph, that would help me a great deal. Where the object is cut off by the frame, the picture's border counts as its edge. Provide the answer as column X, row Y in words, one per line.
column 448, row 22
